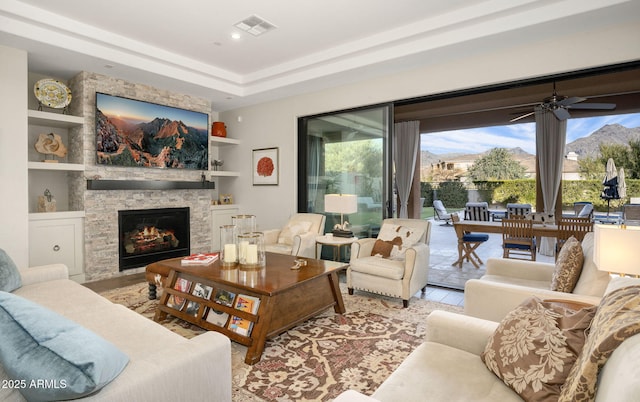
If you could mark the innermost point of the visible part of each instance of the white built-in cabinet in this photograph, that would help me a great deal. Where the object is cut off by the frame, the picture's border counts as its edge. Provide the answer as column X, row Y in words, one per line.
column 221, row 214
column 55, row 237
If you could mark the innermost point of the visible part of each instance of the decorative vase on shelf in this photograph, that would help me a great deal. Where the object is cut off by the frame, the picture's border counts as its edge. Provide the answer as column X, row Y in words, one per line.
column 218, row 129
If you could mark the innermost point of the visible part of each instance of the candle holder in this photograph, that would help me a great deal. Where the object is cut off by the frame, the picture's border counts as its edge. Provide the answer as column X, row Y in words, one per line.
column 251, row 253
column 244, row 223
column 229, row 248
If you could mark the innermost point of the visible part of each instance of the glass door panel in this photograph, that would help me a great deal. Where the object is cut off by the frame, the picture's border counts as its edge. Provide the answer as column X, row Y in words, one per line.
column 346, row 153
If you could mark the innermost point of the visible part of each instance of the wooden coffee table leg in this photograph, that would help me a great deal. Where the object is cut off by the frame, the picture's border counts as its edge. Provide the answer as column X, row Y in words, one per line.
column 334, row 282
column 259, row 331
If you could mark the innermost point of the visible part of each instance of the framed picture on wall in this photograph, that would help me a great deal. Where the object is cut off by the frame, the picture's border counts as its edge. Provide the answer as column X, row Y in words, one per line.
column 265, row 167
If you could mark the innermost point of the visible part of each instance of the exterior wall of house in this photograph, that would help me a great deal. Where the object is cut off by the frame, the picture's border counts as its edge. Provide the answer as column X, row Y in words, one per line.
column 274, row 124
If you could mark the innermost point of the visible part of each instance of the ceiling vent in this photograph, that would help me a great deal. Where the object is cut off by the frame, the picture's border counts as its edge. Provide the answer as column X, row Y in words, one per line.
column 255, row 25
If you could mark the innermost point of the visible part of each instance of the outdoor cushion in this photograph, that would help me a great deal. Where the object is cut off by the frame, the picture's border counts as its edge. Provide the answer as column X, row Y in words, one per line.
column 475, row 237
column 41, row 345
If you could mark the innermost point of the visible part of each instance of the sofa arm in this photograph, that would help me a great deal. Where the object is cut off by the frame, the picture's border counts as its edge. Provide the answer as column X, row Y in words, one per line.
column 304, row 245
column 494, row 300
column 529, row 270
column 362, row 248
column 43, row 273
column 198, row 369
column 459, row 331
column 271, row 236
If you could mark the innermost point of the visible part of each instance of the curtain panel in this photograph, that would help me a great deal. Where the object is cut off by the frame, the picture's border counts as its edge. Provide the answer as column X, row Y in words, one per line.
column 406, row 141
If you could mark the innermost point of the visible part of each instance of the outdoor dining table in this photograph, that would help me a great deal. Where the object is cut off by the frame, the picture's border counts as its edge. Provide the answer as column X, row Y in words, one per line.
column 461, row 227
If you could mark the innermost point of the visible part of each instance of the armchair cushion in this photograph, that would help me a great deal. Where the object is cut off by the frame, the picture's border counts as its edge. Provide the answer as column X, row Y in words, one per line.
column 10, row 278
column 293, row 228
column 568, row 266
column 39, row 344
column 377, row 266
column 382, row 248
column 535, row 346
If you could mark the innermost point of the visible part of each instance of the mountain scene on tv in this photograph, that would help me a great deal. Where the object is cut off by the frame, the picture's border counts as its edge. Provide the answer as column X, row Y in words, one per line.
column 135, row 133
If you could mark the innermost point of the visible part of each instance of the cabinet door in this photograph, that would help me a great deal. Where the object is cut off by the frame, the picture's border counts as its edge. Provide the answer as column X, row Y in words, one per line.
column 220, row 217
column 56, row 241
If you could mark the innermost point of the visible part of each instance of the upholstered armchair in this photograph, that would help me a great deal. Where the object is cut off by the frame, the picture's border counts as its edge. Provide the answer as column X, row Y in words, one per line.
column 396, row 263
column 297, row 237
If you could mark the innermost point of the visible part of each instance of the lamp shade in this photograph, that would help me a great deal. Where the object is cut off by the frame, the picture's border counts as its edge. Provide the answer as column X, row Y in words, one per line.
column 341, row 203
column 615, row 249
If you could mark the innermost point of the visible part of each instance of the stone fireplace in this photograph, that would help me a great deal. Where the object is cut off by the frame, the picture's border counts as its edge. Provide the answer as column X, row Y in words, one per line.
column 150, row 235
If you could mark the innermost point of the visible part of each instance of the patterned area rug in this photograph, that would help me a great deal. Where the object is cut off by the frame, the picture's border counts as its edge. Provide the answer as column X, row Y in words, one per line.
column 322, row 357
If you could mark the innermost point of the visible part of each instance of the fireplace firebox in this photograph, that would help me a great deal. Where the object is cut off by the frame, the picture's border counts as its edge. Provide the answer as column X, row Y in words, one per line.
column 150, row 235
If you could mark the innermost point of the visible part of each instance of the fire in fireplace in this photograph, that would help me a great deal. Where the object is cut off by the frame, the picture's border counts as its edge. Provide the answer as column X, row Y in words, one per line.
column 149, row 235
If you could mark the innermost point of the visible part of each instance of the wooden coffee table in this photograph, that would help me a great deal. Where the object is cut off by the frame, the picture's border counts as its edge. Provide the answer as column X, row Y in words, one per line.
column 287, row 296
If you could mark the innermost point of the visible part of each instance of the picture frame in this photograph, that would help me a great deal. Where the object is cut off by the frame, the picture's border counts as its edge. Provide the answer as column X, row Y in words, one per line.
column 226, row 199
column 265, row 167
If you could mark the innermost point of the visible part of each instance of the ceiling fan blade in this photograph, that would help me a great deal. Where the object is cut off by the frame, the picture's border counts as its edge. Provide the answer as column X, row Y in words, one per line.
column 561, row 113
column 571, row 101
column 521, row 117
column 602, row 106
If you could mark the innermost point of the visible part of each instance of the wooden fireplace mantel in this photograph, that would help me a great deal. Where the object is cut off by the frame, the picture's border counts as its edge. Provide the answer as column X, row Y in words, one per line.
column 149, row 185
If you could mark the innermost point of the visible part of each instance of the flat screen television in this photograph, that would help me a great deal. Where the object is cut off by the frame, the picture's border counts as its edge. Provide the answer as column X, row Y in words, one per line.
column 130, row 132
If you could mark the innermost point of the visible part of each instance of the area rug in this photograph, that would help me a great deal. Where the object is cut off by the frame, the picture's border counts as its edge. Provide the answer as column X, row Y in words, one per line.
column 324, row 356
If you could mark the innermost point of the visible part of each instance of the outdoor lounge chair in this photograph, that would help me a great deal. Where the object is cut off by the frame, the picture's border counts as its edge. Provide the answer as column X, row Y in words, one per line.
column 441, row 213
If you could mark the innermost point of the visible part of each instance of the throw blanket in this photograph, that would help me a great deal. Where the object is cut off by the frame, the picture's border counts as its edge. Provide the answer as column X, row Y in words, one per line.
column 617, row 318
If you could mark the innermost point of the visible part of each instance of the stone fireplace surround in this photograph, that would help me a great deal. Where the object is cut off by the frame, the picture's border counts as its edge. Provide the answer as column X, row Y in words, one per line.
column 101, row 206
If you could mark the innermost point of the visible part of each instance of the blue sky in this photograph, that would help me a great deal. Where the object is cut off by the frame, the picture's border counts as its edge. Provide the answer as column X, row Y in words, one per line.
column 515, row 135
column 138, row 111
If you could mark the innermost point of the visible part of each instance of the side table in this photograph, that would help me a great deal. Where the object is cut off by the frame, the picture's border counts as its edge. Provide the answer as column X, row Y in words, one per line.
column 335, row 242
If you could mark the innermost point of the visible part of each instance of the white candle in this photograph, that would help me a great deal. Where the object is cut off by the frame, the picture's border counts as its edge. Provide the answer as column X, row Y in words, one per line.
column 252, row 254
column 243, row 250
column 229, row 253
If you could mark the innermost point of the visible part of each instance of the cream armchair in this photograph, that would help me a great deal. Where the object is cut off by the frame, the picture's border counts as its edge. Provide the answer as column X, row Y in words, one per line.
column 396, row 263
column 297, row 237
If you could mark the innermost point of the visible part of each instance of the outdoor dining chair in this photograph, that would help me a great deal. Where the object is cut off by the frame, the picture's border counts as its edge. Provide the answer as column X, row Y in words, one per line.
column 476, row 211
column 517, row 239
column 576, row 227
column 467, row 249
column 517, row 209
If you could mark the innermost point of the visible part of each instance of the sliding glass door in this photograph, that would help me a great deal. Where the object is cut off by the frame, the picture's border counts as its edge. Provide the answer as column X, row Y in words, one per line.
column 346, row 152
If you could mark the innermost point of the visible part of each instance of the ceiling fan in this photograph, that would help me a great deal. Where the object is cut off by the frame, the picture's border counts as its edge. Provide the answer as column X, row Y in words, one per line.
column 559, row 105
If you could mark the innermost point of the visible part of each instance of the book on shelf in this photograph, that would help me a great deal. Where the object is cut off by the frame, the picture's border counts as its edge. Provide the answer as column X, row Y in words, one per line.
column 216, row 317
column 224, row 297
column 240, row 325
column 192, row 308
column 247, row 303
column 199, row 259
column 178, row 302
column 202, row 291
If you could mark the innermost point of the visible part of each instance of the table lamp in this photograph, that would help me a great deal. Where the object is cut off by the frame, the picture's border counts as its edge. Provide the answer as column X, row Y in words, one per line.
column 615, row 249
column 342, row 204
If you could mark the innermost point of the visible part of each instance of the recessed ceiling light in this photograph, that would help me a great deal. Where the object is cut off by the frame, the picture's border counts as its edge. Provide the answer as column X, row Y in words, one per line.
column 255, row 25
column 235, row 35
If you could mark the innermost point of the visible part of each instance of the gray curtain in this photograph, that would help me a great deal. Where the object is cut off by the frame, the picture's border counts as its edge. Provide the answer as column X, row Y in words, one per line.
column 551, row 136
column 406, row 140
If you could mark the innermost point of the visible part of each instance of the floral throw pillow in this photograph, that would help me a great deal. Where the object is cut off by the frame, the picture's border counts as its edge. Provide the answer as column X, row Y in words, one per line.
column 535, row 346
column 568, row 266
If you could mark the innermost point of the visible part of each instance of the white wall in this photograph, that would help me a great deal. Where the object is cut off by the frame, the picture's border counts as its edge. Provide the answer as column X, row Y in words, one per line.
column 14, row 235
column 274, row 124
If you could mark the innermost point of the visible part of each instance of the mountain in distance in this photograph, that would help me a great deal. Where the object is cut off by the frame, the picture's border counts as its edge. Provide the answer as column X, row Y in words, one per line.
column 584, row 147
column 589, row 146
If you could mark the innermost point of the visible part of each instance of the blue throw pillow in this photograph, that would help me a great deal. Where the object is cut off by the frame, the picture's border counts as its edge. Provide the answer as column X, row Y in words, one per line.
column 50, row 356
column 10, row 278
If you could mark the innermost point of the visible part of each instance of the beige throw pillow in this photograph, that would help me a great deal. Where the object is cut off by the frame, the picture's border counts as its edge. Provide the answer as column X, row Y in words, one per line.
column 535, row 346
column 568, row 266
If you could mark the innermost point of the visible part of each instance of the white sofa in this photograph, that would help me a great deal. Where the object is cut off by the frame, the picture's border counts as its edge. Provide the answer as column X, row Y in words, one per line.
column 163, row 366
column 508, row 282
column 447, row 367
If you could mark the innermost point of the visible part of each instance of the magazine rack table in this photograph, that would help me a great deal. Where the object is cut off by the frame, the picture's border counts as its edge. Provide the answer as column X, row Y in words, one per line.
column 286, row 296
